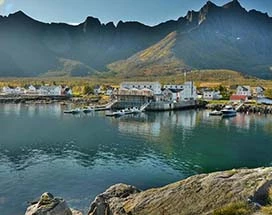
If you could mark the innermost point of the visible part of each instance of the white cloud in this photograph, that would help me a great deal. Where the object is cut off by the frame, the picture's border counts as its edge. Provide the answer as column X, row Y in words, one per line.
column 2, row 2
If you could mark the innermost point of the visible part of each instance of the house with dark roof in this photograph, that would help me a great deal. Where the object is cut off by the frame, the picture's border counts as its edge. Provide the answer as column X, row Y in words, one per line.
column 243, row 91
column 258, row 92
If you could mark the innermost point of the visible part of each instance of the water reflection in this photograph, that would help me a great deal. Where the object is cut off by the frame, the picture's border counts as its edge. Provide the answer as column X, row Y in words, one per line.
column 78, row 156
column 154, row 124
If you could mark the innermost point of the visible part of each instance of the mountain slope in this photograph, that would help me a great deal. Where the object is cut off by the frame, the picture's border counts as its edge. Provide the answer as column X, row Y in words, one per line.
column 32, row 48
column 225, row 37
column 156, row 60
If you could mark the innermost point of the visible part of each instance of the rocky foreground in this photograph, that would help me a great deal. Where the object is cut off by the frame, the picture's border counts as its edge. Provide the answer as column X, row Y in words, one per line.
column 243, row 191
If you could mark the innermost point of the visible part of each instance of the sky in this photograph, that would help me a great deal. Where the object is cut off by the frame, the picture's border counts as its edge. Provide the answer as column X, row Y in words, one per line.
column 149, row 12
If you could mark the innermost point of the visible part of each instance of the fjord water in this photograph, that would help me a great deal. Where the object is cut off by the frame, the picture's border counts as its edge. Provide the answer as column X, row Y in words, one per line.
column 79, row 156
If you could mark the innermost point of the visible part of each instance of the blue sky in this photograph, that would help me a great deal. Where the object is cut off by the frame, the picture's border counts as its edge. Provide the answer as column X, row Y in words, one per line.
column 150, row 12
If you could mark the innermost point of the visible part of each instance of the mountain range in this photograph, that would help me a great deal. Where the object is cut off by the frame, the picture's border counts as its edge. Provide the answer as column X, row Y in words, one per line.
column 216, row 37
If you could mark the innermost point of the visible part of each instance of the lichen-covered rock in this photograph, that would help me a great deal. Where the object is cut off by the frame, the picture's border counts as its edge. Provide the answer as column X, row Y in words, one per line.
column 200, row 194
column 108, row 203
column 49, row 205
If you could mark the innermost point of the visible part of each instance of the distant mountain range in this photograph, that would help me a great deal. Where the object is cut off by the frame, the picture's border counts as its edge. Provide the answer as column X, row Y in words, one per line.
column 227, row 37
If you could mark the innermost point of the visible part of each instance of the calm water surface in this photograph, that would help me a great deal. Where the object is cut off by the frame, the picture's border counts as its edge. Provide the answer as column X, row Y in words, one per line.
column 78, row 156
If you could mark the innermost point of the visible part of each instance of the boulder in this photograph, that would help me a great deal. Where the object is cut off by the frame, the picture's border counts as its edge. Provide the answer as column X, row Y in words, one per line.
column 110, row 202
column 49, row 205
column 216, row 193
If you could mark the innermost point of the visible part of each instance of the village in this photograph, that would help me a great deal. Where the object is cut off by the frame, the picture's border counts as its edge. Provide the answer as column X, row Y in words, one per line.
column 136, row 94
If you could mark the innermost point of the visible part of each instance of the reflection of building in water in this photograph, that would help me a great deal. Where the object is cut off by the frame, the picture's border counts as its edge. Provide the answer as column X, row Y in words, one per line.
column 242, row 121
column 139, row 124
column 12, row 109
column 52, row 109
column 155, row 123
column 186, row 119
column 33, row 110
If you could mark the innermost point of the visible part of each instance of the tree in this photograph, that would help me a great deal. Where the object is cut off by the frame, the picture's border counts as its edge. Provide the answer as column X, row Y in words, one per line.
column 268, row 93
column 87, row 90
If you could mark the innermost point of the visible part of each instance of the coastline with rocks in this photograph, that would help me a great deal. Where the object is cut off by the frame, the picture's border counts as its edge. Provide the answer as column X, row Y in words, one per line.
column 31, row 99
column 237, row 191
column 246, row 108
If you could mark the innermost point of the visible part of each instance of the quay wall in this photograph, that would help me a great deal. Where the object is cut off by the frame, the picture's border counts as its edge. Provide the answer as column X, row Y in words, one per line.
column 159, row 106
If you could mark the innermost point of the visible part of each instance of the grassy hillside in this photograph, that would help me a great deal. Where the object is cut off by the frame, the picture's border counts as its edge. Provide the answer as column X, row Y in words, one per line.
column 70, row 68
column 157, row 60
column 207, row 78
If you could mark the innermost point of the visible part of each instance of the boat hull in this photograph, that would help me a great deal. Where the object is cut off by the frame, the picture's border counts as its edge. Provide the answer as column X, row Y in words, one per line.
column 229, row 113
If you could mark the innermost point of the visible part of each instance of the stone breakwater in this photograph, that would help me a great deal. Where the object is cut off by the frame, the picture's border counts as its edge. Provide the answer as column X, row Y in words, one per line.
column 244, row 190
column 255, row 109
column 32, row 99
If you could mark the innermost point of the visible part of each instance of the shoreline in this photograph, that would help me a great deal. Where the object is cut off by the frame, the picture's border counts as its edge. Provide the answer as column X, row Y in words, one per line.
column 36, row 99
column 246, row 190
column 246, row 108
column 65, row 100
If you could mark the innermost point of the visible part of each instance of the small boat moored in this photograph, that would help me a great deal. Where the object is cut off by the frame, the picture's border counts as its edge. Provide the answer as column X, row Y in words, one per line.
column 216, row 113
column 116, row 113
column 73, row 111
column 228, row 111
column 88, row 110
column 133, row 110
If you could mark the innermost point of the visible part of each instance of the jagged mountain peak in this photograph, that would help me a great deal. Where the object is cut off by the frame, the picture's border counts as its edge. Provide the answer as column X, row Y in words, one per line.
column 214, row 37
column 19, row 15
column 90, row 20
column 234, row 4
column 210, row 4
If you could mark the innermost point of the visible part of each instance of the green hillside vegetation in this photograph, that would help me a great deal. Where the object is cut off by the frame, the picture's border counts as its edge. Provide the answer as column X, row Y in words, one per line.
column 158, row 60
column 70, row 68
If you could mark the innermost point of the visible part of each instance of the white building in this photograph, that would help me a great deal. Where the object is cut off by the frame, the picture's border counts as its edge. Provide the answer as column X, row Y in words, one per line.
column 31, row 90
column 189, row 91
column 258, row 92
column 97, row 90
column 154, row 86
column 8, row 90
column 176, row 93
column 109, row 91
column 173, row 86
column 211, row 95
column 19, row 90
column 50, row 91
column 66, row 91
column 243, row 91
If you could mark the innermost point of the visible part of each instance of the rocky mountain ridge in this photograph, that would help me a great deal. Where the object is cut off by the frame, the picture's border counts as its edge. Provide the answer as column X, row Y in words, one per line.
column 216, row 37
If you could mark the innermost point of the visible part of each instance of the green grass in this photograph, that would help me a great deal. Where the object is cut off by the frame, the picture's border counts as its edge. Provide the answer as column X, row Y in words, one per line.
column 235, row 208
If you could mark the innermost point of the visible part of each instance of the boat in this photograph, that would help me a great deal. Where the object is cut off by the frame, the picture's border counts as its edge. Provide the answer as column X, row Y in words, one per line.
column 116, row 113
column 73, row 111
column 228, row 111
column 135, row 110
column 126, row 111
column 88, row 109
column 216, row 113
